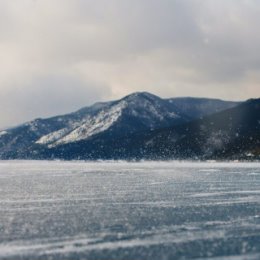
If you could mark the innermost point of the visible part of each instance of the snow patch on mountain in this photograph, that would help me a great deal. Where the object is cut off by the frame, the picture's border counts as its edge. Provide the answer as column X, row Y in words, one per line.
column 3, row 133
column 54, row 136
column 103, row 121
column 86, row 128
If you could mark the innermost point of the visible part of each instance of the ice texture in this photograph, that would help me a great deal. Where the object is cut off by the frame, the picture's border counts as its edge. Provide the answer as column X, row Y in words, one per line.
column 123, row 210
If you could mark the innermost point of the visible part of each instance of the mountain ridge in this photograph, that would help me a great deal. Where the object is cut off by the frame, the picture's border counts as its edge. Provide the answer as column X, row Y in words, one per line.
column 137, row 112
column 235, row 137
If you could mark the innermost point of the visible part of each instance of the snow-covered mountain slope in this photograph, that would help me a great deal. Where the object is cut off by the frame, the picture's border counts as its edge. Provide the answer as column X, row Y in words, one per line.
column 86, row 127
column 230, row 134
column 137, row 112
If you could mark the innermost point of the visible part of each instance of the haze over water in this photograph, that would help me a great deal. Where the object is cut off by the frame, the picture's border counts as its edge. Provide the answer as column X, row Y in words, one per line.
column 119, row 210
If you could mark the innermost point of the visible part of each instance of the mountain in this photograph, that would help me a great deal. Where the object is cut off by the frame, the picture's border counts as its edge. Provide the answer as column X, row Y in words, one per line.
column 135, row 113
column 231, row 134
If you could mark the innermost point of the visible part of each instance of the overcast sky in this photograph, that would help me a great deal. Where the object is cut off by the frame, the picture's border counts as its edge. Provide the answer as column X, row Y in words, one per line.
column 59, row 55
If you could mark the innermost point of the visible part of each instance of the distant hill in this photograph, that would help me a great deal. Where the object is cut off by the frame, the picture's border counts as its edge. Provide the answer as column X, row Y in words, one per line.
column 84, row 133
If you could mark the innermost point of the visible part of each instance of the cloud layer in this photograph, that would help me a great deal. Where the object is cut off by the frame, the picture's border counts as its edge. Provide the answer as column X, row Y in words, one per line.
column 60, row 55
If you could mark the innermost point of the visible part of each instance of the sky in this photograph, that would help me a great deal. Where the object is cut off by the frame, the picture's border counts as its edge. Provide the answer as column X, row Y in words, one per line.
column 57, row 56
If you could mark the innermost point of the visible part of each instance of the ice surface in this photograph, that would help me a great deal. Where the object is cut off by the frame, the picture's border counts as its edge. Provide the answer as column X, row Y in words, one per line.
column 120, row 210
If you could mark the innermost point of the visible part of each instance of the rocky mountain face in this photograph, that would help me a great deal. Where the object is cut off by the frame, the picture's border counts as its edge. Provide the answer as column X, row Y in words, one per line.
column 131, row 116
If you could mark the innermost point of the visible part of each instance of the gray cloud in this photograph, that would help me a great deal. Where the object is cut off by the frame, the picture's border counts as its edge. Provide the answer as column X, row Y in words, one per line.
column 59, row 55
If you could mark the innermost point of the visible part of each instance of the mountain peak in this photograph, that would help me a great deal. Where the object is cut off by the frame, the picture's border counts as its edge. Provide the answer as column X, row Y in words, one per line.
column 138, row 95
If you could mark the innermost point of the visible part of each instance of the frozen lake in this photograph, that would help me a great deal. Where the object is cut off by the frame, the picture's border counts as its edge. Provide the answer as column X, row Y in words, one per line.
column 150, row 210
